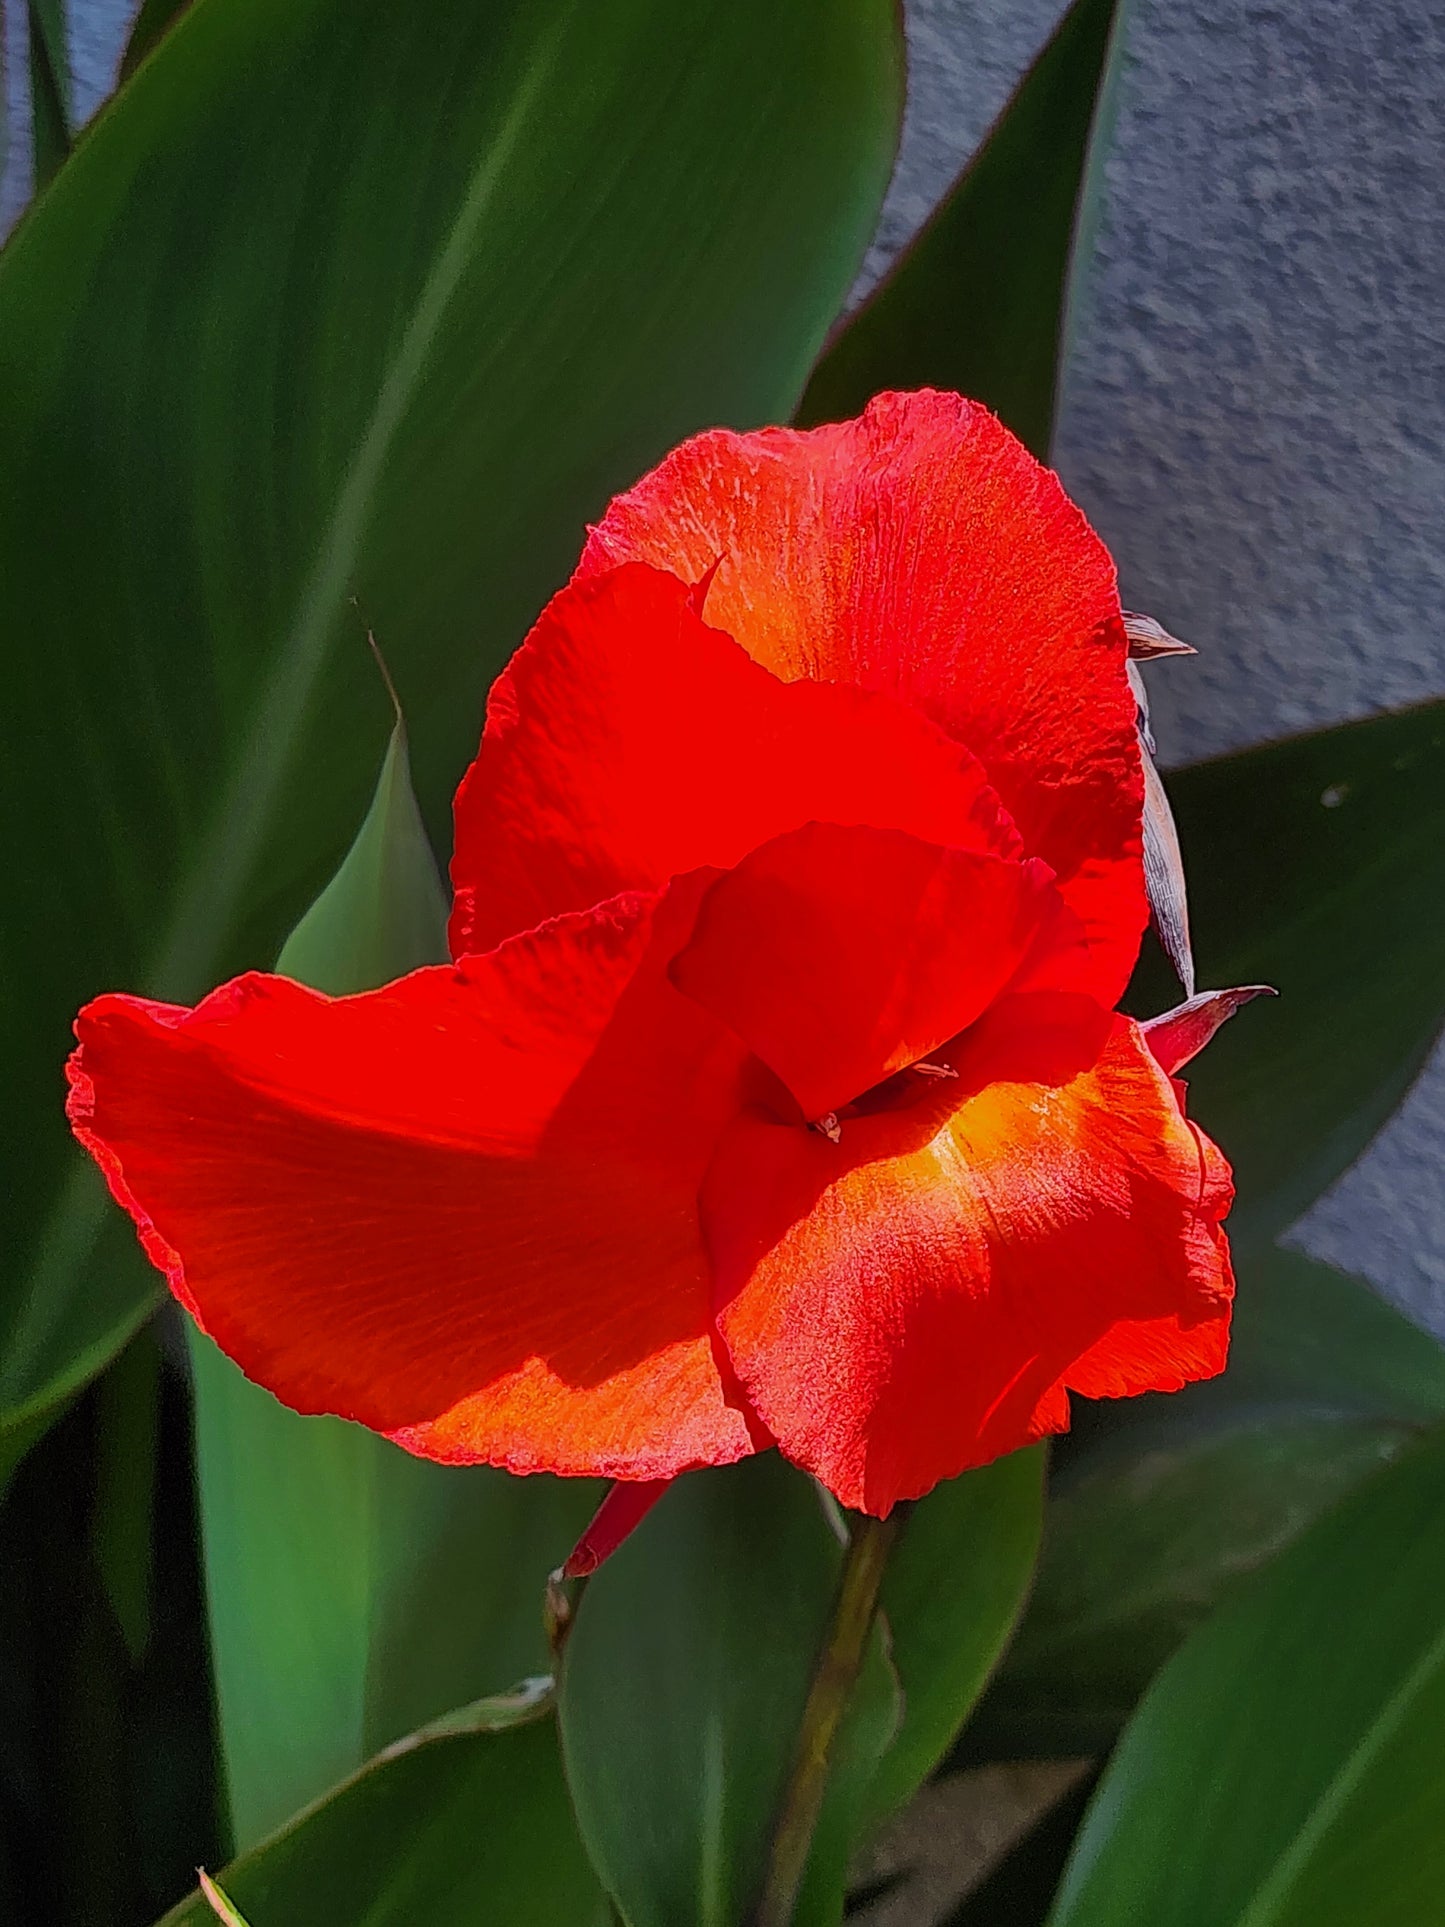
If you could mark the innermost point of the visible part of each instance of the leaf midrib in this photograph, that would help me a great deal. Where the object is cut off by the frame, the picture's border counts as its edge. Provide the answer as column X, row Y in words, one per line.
column 242, row 817
column 1299, row 1849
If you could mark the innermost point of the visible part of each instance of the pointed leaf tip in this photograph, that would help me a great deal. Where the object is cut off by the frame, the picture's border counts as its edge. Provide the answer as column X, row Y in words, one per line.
column 1149, row 639
column 1179, row 1034
column 221, row 1906
column 384, row 913
column 1163, row 862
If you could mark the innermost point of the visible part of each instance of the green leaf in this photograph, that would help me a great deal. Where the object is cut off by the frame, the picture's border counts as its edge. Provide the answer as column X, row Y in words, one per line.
column 682, row 1689
column 1285, row 1770
column 1160, row 1503
column 324, row 304
column 153, row 21
column 221, row 1904
column 977, row 302
column 467, row 1828
column 955, row 1585
column 49, row 88
column 127, row 1442
column 1316, row 865
column 384, row 913
column 354, row 1591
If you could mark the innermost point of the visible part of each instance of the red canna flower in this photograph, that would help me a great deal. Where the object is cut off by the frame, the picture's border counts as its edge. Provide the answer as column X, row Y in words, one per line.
column 776, row 1093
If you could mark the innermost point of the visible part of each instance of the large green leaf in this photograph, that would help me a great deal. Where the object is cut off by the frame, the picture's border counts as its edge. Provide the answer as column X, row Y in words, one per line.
column 461, row 1829
column 1158, row 1504
column 955, row 1585
column 339, row 299
column 1286, row 1768
column 353, row 1591
column 682, row 1690
column 1316, row 865
column 977, row 303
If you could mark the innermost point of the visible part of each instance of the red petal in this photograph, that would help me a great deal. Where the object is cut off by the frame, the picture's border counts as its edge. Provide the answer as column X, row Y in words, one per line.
column 628, row 742
column 841, row 955
column 917, row 1298
column 921, row 550
column 461, row 1209
column 627, row 1504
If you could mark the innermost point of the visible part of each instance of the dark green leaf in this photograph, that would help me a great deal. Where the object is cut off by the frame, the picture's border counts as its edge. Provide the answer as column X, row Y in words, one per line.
column 1314, row 1340
column 1159, row 1503
column 336, row 299
column 152, row 23
column 955, row 1586
column 49, row 88
column 354, row 1591
column 1286, row 1770
column 977, row 303
column 1316, row 865
column 463, row 1830
column 681, row 1694
column 127, row 1440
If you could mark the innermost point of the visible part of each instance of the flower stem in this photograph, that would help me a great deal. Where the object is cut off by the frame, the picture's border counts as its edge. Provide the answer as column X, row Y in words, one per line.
column 837, row 1669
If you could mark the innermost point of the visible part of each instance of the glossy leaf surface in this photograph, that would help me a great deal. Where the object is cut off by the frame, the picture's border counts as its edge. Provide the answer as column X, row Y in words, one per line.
column 977, row 302
column 682, row 1689
column 335, row 300
column 1316, row 865
column 1286, row 1770
column 955, row 1585
column 353, row 1591
column 471, row 1830
column 1158, row 1504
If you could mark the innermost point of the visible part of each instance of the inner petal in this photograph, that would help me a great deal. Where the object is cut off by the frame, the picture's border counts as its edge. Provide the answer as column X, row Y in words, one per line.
column 628, row 742
column 840, row 955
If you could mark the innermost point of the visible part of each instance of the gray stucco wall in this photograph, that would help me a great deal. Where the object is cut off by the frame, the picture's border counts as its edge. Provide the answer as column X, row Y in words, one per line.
column 1255, row 414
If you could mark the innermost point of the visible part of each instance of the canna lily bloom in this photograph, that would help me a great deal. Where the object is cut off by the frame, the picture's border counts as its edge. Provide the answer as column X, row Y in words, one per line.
column 775, row 1095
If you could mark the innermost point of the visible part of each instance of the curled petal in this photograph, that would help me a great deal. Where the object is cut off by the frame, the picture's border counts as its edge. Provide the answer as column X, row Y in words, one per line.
column 628, row 742
column 922, row 1297
column 923, row 552
column 462, row 1210
column 843, row 955
column 1179, row 1034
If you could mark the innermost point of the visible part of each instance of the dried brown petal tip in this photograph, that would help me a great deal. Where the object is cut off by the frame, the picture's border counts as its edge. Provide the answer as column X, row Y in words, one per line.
column 1148, row 638
column 1177, row 1035
column 1164, row 877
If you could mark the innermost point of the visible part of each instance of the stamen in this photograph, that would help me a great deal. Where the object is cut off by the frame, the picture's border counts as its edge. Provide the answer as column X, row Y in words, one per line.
column 926, row 1068
column 827, row 1126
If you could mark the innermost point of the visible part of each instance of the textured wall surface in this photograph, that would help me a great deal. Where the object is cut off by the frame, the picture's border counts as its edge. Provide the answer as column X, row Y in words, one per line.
column 1255, row 415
